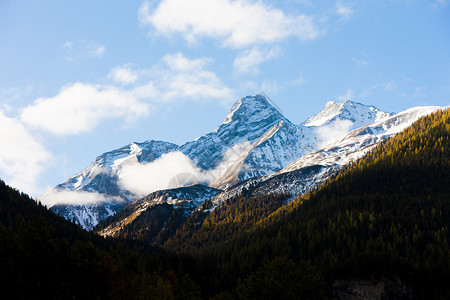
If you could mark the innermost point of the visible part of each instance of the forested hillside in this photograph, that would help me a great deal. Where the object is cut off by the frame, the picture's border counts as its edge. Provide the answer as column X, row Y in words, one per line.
column 43, row 256
column 386, row 216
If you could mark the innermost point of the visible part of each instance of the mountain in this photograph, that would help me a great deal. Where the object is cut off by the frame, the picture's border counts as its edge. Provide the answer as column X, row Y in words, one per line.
column 254, row 140
column 316, row 167
column 159, row 220
column 360, row 141
column 378, row 229
column 102, row 177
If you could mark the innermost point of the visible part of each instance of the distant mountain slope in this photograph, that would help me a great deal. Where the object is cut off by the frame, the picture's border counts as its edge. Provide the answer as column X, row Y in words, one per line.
column 255, row 139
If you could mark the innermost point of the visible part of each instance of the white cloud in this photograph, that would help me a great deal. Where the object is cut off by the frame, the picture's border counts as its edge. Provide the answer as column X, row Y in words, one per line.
column 80, row 107
column 67, row 45
column 178, row 62
column 343, row 11
column 249, row 60
column 175, row 169
column 333, row 132
column 22, row 158
column 123, row 74
column 65, row 197
column 142, row 179
column 236, row 24
column 347, row 96
column 97, row 51
column 187, row 78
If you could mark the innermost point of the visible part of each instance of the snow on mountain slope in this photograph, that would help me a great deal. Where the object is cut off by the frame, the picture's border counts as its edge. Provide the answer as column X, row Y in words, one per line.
column 255, row 139
column 101, row 175
column 294, row 183
column 250, row 118
column 359, row 114
column 359, row 141
column 278, row 147
column 88, row 215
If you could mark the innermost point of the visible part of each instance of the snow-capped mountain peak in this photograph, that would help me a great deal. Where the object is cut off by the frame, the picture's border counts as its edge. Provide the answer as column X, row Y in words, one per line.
column 251, row 108
column 359, row 114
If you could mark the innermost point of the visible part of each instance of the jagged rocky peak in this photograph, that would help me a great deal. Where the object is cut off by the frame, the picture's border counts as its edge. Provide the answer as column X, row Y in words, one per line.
column 359, row 114
column 253, row 108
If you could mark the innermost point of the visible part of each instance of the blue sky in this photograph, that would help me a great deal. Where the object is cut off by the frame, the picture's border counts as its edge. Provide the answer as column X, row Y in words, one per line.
column 79, row 78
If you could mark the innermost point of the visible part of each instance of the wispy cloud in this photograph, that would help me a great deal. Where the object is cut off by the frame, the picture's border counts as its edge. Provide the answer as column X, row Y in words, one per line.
column 360, row 62
column 271, row 86
column 178, row 62
column 389, row 86
column 97, row 51
column 65, row 197
column 300, row 80
column 249, row 60
column 333, row 132
column 343, row 11
column 183, row 78
column 347, row 96
column 235, row 24
column 376, row 88
column 78, row 51
column 123, row 74
column 68, row 45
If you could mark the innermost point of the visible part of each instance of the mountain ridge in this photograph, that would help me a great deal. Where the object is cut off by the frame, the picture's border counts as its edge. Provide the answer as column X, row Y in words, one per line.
column 254, row 140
